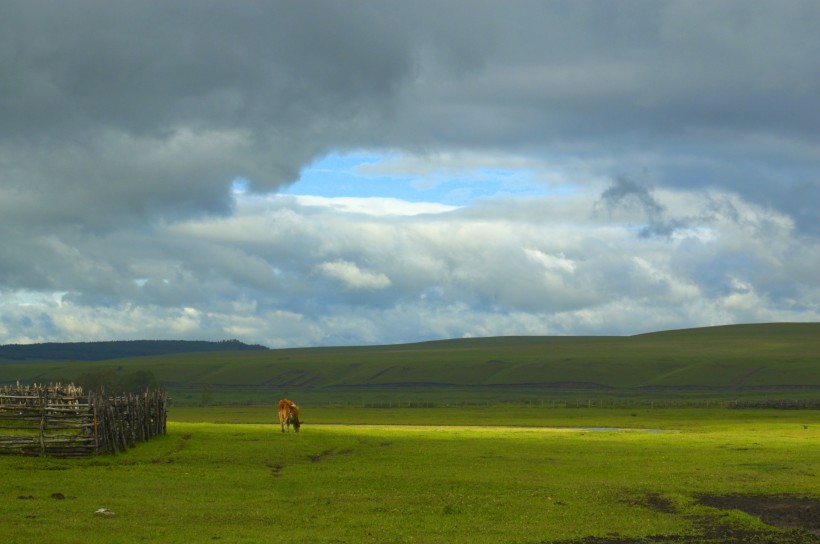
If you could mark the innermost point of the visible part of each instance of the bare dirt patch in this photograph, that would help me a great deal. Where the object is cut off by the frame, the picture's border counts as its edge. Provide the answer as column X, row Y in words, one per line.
column 275, row 469
column 327, row 453
column 318, row 457
column 660, row 503
column 725, row 538
column 782, row 511
column 794, row 520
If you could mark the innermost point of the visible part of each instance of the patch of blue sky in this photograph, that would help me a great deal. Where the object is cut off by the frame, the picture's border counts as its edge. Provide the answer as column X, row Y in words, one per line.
column 240, row 186
column 27, row 298
column 363, row 175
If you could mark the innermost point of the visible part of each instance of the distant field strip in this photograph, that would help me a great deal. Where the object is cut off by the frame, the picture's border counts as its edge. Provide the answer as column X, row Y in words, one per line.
column 487, row 428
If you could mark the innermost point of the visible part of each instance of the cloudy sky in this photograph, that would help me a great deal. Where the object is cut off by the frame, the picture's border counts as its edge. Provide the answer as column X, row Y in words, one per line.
column 322, row 173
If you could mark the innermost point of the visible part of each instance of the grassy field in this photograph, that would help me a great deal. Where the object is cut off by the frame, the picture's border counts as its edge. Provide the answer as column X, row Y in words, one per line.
column 522, row 474
column 720, row 363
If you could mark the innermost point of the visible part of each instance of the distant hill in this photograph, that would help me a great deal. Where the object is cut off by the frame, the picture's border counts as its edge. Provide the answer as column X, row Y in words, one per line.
column 100, row 351
column 762, row 359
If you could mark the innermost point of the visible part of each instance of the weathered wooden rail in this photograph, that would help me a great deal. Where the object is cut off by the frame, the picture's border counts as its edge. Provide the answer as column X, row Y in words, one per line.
column 59, row 420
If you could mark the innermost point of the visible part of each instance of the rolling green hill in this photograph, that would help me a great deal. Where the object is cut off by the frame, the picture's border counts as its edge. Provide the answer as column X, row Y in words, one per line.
column 766, row 357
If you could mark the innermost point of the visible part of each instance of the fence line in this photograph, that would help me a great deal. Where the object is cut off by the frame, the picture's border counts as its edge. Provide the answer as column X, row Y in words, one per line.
column 59, row 420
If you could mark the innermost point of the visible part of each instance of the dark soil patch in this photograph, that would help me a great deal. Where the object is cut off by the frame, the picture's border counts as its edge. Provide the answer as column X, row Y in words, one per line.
column 726, row 538
column 661, row 504
column 783, row 511
column 653, row 501
column 318, row 457
column 327, row 453
column 794, row 520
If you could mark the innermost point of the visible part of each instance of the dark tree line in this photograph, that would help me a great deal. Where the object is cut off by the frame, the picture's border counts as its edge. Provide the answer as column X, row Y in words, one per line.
column 99, row 351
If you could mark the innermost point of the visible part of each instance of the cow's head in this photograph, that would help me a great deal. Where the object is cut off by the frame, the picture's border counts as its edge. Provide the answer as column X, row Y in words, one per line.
column 296, row 423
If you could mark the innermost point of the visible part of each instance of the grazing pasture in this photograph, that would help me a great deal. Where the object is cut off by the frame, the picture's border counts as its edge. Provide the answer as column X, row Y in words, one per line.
column 597, row 440
column 427, row 476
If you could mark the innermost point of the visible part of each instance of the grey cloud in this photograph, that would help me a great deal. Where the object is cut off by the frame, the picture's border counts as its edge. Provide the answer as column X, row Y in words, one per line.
column 623, row 190
column 293, row 81
column 152, row 109
column 714, row 96
column 152, row 67
column 122, row 126
column 627, row 193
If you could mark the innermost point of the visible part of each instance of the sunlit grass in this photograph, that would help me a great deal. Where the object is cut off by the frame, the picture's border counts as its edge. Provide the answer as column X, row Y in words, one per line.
column 404, row 478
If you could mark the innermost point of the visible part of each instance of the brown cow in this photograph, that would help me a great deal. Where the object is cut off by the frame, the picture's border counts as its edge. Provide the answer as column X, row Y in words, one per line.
column 289, row 414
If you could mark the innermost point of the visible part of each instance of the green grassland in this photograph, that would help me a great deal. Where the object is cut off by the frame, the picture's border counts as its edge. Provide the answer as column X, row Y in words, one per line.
column 517, row 474
column 768, row 360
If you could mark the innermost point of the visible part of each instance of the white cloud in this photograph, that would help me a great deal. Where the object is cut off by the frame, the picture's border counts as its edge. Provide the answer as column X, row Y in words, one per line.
column 281, row 273
column 374, row 205
column 557, row 262
column 354, row 277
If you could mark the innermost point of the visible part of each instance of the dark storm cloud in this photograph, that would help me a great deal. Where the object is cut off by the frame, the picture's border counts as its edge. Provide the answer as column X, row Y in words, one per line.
column 151, row 67
column 155, row 107
column 719, row 95
column 695, row 87
column 627, row 193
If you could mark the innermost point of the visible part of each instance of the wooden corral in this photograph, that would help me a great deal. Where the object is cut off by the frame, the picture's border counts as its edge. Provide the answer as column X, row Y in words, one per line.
column 61, row 421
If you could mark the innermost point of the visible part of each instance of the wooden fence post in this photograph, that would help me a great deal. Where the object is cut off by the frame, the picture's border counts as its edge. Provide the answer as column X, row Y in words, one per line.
column 59, row 420
column 43, row 396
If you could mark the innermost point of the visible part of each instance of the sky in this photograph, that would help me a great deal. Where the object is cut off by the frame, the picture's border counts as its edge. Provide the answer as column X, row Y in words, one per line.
column 341, row 173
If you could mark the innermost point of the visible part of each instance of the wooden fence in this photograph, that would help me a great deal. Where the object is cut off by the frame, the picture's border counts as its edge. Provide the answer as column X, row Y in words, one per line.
column 61, row 421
